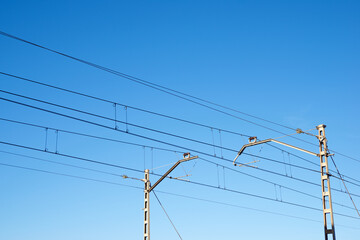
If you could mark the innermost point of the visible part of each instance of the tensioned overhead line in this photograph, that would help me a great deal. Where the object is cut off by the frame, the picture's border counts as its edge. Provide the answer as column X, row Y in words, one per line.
column 63, row 164
column 178, row 146
column 112, row 165
column 67, row 175
column 147, row 111
column 87, row 135
column 158, row 87
column 270, row 182
column 166, row 143
column 89, row 179
column 146, row 128
column 143, row 82
column 152, row 85
column 154, row 113
column 114, row 120
column 180, row 180
column 124, row 142
column 122, row 175
column 118, row 175
column 164, row 192
column 150, row 129
column 123, row 105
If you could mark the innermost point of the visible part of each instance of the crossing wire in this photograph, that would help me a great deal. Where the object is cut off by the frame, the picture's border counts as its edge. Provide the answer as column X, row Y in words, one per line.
column 63, row 164
column 142, row 127
column 167, row 143
column 88, row 135
column 181, row 180
column 149, row 84
column 121, row 104
column 154, row 113
column 67, row 175
column 154, row 86
column 150, row 129
column 124, row 142
column 102, row 138
column 166, row 90
column 163, row 142
column 118, row 175
column 271, row 182
column 143, row 110
column 186, row 181
column 169, row 193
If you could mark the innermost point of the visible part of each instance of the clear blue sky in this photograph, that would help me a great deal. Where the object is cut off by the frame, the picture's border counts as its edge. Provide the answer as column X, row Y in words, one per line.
column 292, row 62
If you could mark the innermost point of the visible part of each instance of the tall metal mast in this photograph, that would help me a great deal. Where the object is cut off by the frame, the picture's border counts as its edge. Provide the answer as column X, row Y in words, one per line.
column 147, row 206
column 148, row 188
column 329, row 227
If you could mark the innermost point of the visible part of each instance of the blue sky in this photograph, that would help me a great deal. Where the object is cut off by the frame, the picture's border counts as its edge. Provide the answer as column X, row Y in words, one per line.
column 292, row 62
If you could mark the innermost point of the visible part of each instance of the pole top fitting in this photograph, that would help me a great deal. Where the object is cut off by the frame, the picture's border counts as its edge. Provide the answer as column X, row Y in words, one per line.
column 321, row 126
column 252, row 139
column 186, row 155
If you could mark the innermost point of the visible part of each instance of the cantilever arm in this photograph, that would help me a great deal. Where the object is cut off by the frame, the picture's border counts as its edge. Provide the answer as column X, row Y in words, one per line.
column 170, row 170
column 270, row 140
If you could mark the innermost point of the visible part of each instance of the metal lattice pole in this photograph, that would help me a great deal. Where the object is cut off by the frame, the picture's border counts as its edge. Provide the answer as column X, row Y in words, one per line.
column 148, row 188
column 329, row 227
column 147, row 206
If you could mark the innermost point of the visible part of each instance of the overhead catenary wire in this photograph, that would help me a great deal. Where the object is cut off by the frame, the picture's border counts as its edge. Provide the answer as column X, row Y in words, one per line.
column 165, row 90
column 63, row 164
column 308, row 161
column 154, row 113
column 340, row 175
column 153, row 85
column 151, row 129
column 165, row 192
column 73, row 157
column 270, row 182
column 84, row 168
column 112, row 119
column 118, row 175
column 124, row 105
column 265, row 170
column 114, row 174
column 139, row 126
column 67, row 175
column 185, row 181
column 87, row 135
column 147, row 111
column 143, row 110
column 124, row 142
column 163, row 142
